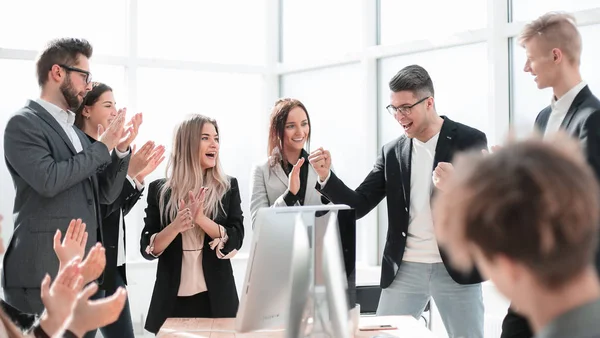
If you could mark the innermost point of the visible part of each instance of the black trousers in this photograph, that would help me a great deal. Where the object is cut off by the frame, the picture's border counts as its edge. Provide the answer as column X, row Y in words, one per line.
column 515, row 326
column 196, row 306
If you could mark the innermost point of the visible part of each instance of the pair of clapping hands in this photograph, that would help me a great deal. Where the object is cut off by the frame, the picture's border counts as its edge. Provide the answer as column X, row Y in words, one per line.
column 67, row 302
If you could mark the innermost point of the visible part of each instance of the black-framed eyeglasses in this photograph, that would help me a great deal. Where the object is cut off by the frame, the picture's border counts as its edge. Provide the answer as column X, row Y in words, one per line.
column 404, row 110
column 88, row 75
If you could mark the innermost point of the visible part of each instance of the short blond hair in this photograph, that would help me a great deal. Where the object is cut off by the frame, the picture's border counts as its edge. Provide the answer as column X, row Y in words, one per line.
column 556, row 30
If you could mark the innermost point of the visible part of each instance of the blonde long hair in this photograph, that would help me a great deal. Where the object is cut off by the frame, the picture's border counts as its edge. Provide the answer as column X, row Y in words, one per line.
column 185, row 174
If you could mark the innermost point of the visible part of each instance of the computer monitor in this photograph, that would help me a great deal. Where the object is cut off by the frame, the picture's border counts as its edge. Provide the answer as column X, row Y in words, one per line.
column 335, row 283
column 277, row 259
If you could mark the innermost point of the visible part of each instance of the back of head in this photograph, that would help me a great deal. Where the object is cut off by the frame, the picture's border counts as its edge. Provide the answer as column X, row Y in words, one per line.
column 413, row 78
column 535, row 202
column 555, row 30
column 61, row 51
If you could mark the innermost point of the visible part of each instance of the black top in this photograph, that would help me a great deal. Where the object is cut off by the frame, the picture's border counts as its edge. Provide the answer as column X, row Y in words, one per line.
column 289, row 198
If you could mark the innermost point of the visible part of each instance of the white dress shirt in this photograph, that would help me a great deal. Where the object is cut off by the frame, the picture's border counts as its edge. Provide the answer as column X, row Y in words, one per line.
column 65, row 119
column 121, row 258
column 560, row 108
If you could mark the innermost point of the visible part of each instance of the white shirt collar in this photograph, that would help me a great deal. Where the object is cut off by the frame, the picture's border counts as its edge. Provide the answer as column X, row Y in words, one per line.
column 564, row 103
column 63, row 117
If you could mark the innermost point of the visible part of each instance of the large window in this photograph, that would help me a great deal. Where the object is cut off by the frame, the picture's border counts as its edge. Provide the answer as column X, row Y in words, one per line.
column 232, row 59
column 524, row 10
column 529, row 100
column 225, row 31
column 29, row 24
column 403, row 21
column 314, row 29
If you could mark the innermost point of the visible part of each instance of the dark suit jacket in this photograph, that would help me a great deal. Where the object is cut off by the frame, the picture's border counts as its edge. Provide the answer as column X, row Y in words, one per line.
column 218, row 273
column 582, row 122
column 391, row 177
column 54, row 184
column 111, row 221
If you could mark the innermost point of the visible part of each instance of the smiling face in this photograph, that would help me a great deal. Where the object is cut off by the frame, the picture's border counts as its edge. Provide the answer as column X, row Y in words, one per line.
column 418, row 120
column 103, row 111
column 296, row 130
column 540, row 63
column 209, row 146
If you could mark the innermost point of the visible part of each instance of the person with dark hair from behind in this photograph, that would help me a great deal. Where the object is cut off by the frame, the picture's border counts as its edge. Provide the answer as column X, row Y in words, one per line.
column 528, row 216
column 553, row 46
column 413, row 268
column 57, row 173
column 99, row 108
column 285, row 178
column 194, row 226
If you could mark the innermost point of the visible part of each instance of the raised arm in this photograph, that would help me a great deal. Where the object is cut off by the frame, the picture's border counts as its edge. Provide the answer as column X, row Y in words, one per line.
column 366, row 197
column 155, row 238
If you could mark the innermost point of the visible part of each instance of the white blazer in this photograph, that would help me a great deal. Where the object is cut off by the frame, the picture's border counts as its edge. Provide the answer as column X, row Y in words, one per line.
column 268, row 185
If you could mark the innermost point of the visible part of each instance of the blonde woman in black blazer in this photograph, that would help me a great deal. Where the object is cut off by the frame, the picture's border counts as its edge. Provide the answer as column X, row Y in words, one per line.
column 193, row 225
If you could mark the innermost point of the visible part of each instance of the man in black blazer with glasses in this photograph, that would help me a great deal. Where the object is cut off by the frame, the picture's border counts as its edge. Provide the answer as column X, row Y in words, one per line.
column 408, row 171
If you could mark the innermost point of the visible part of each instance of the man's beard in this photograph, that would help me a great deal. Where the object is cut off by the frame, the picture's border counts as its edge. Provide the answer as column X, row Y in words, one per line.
column 70, row 95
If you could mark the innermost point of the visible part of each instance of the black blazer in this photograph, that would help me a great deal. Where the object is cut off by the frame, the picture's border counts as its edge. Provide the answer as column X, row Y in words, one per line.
column 391, row 177
column 218, row 273
column 110, row 226
column 582, row 122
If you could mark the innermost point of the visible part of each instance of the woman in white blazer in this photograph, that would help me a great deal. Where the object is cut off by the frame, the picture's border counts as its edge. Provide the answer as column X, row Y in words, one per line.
column 285, row 178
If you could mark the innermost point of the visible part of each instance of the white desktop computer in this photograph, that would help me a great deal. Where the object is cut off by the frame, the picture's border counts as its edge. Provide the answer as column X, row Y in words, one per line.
column 296, row 277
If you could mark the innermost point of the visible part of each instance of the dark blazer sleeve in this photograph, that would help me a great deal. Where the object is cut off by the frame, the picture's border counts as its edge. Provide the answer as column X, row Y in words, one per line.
column 152, row 223
column 26, row 149
column 24, row 321
column 110, row 181
column 366, row 197
column 590, row 140
column 480, row 142
column 234, row 224
column 127, row 199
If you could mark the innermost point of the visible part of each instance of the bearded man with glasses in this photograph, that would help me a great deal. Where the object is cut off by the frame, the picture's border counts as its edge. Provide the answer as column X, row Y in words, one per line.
column 57, row 173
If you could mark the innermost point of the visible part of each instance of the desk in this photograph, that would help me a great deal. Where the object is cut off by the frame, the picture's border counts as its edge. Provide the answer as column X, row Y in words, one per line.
column 408, row 327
